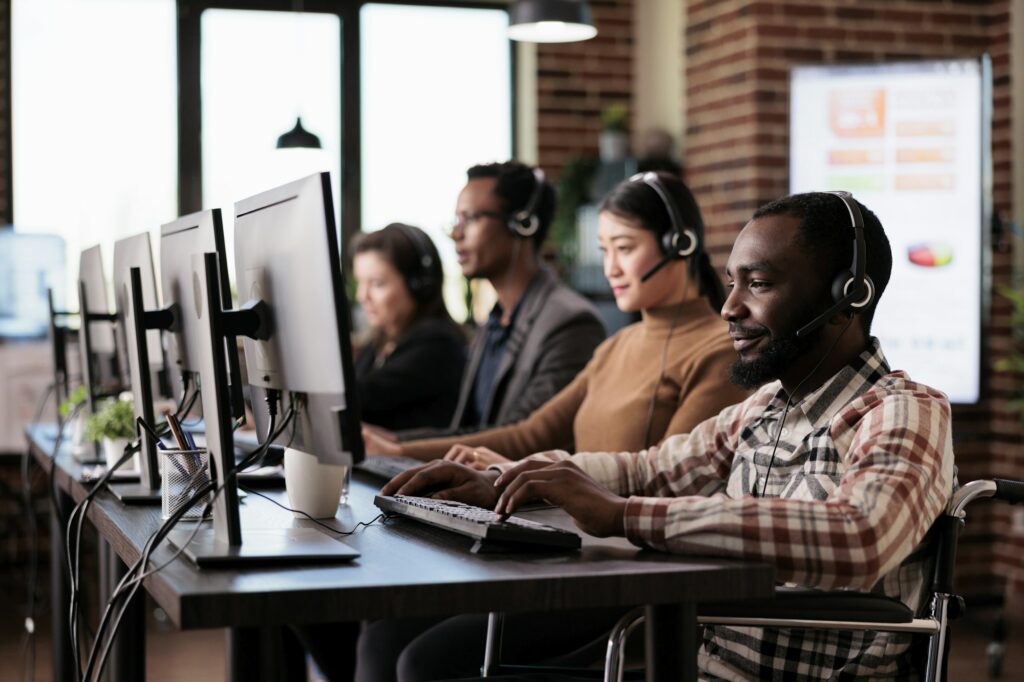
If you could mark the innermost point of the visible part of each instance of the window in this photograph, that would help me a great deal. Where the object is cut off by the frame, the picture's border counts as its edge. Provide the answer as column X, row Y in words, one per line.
column 436, row 98
column 260, row 71
column 94, row 127
column 96, row 110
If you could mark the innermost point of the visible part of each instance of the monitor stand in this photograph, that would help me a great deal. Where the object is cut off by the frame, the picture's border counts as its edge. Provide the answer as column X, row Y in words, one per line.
column 134, row 493
column 87, row 453
column 262, row 547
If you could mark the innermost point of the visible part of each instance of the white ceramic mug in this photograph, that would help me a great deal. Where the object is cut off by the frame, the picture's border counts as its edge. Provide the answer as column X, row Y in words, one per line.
column 314, row 487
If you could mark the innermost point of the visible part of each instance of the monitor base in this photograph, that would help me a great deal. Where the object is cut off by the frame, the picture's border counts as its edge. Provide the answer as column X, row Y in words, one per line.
column 262, row 547
column 134, row 493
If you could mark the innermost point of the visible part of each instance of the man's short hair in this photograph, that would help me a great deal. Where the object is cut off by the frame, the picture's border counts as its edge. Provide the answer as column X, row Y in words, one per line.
column 826, row 233
column 514, row 185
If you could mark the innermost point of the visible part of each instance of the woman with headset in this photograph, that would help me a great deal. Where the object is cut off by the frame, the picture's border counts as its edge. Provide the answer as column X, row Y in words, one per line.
column 408, row 375
column 658, row 377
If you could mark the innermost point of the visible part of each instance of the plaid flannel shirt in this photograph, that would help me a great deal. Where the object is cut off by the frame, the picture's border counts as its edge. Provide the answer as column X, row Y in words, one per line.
column 863, row 467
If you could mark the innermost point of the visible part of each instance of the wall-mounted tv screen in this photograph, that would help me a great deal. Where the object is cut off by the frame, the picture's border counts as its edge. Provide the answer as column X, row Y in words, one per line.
column 911, row 141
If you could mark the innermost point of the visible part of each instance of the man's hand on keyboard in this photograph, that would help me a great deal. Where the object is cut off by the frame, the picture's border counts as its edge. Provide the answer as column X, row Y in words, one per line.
column 444, row 480
column 594, row 508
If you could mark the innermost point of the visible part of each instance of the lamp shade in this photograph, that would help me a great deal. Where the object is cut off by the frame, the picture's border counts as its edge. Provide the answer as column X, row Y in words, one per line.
column 298, row 137
column 550, row 21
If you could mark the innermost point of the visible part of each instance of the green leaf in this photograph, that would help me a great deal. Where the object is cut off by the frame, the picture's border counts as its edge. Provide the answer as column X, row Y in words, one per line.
column 115, row 420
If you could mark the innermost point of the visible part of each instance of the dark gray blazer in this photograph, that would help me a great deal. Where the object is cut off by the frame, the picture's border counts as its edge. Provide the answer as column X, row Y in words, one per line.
column 554, row 334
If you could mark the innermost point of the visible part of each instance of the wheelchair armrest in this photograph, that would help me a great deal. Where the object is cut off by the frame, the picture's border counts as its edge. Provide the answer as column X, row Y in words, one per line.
column 809, row 604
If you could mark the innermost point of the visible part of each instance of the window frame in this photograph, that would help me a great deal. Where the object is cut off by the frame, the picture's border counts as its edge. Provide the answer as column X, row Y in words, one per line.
column 190, row 178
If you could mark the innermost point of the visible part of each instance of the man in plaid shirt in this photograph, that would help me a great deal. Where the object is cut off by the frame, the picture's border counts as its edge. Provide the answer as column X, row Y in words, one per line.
column 833, row 470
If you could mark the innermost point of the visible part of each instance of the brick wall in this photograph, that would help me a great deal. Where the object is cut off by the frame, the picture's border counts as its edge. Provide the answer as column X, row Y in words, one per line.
column 737, row 59
column 575, row 81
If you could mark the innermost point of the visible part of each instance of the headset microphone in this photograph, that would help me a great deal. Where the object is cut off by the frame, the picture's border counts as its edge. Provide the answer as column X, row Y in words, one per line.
column 657, row 266
column 852, row 289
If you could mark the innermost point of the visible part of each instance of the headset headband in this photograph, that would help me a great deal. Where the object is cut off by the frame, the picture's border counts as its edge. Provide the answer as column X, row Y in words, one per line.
column 852, row 289
column 525, row 222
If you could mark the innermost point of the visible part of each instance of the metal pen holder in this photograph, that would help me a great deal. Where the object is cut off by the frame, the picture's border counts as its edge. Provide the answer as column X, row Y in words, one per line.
column 184, row 473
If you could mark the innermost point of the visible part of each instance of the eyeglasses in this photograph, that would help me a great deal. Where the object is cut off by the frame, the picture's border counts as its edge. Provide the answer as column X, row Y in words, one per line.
column 466, row 219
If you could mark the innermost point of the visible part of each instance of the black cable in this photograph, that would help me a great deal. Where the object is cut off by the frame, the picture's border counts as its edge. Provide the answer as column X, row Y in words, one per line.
column 664, row 361
column 80, row 511
column 789, row 401
column 130, row 583
column 316, row 521
column 186, row 407
column 73, row 550
column 41, row 405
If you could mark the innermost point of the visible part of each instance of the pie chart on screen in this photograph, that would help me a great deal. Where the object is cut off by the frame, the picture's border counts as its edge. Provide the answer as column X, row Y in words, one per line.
column 930, row 254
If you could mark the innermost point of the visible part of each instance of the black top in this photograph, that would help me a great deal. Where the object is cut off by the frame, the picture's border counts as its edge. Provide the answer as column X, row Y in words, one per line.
column 417, row 385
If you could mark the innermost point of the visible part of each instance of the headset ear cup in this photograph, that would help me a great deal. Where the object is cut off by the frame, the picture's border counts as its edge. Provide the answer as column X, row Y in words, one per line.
column 689, row 247
column 842, row 284
column 679, row 248
column 524, row 224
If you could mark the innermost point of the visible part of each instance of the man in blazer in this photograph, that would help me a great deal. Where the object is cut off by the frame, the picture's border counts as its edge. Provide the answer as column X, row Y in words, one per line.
column 540, row 333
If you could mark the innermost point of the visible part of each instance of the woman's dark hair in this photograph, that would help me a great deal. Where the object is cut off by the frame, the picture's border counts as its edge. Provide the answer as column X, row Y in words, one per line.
column 410, row 251
column 637, row 201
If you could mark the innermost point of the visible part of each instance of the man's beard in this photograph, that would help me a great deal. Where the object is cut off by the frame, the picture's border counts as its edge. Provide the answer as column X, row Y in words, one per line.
column 778, row 354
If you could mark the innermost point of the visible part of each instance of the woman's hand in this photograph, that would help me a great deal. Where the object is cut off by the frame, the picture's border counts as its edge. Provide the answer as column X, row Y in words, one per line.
column 476, row 458
column 594, row 508
column 443, row 480
column 381, row 442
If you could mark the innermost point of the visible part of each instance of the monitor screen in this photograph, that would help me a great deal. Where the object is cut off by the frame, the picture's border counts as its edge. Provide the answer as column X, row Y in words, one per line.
column 29, row 265
column 179, row 241
column 286, row 255
column 135, row 252
column 911, row 142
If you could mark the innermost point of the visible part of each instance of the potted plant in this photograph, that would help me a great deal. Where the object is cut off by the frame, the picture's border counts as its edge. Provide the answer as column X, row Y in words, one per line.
column 71, row 408
column 1014, row 362
column 613, row 144
column 114, row 427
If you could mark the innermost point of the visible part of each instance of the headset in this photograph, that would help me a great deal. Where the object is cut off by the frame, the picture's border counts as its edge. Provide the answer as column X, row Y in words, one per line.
column 525, row 222
column 852, row 290
column 679, row 241
column 423, row 281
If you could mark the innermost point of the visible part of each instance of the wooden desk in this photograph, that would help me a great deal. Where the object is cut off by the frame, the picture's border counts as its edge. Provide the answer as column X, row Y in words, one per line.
column 408, row 569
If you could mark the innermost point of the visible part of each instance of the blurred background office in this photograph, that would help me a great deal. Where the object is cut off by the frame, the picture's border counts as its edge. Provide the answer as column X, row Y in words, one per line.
column 119, row 115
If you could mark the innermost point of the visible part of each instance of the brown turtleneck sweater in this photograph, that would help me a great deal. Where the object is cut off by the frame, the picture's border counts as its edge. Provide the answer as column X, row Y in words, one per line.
column 605, row 407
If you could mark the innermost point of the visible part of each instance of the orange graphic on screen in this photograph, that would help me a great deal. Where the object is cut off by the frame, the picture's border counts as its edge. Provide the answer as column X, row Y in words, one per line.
column 855, row 157
column 857, row 113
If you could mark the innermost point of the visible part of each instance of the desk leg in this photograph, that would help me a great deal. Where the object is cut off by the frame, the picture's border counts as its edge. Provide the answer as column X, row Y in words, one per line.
column 671, row 643
column 264, row 654
column 60, row 591
column 128, row 652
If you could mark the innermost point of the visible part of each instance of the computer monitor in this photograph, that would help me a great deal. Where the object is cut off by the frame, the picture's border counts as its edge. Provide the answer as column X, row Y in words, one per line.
column 97, row 348
column 295, row 316
column 135, row 294
column 198, row 233
column 29, row 265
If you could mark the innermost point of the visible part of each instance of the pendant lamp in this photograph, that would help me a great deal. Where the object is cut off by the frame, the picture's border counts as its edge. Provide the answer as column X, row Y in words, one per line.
column 550, row 21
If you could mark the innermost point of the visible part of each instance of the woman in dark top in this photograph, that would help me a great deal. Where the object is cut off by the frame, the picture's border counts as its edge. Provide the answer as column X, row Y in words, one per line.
column 409, row 374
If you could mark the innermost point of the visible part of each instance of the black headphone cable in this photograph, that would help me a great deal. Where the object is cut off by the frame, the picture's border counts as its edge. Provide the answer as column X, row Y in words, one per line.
column 664, row 362
column 789, row 402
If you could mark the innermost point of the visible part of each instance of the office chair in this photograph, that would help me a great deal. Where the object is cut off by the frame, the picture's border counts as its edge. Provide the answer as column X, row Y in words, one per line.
column 806, row 608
